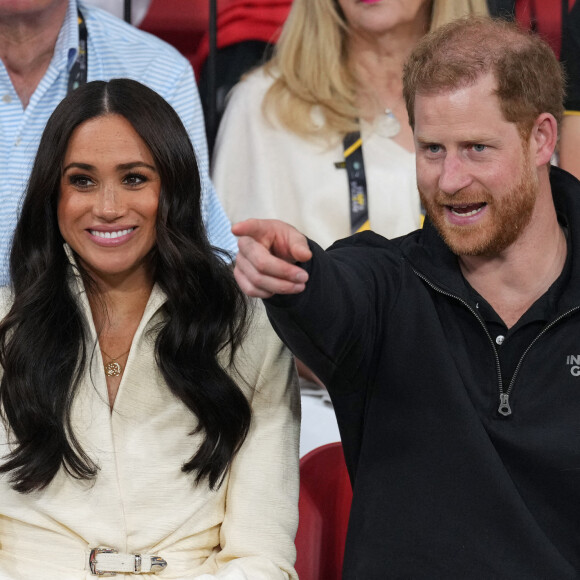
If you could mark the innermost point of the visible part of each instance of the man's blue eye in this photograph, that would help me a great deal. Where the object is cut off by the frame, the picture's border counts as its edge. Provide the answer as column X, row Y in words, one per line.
column 479, row 148
column 434, row 148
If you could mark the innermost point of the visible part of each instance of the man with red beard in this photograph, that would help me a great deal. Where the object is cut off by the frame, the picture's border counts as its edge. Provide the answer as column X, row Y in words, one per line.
column 452, row 355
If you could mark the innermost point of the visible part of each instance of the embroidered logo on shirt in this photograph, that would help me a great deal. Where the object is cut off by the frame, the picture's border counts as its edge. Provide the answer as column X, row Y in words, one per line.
column 573, row 360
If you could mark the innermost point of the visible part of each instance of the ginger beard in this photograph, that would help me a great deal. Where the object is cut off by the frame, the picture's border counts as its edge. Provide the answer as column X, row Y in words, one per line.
column 508, row 215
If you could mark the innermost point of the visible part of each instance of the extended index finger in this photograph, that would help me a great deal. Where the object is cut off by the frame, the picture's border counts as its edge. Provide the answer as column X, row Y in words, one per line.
column 281, row 239
column 266, row 271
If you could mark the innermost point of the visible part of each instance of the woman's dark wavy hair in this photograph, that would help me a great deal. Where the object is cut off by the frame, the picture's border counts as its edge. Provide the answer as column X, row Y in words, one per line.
column 43, row 339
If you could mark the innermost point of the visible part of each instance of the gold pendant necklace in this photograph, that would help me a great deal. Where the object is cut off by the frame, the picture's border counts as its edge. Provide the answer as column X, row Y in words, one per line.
column 113, row 368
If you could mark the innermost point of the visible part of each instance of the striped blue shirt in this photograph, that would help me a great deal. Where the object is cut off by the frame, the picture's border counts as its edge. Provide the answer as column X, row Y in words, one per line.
column 115, row 49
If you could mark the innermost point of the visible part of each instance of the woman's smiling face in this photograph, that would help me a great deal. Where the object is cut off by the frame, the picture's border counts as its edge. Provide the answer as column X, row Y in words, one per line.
column 109, row 194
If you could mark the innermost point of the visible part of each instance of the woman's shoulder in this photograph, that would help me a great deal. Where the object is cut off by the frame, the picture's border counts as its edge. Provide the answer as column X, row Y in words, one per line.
column 260, row 338
column 262, row 355
column 252, row 89
column 260, row 78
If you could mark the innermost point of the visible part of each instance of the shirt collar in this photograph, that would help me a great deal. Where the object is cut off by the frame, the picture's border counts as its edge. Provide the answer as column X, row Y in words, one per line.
column 546, row 305
column 67, row 43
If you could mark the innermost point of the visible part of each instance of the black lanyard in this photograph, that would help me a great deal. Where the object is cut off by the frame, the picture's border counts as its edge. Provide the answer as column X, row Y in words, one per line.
column 357, row 182
column 78, row 72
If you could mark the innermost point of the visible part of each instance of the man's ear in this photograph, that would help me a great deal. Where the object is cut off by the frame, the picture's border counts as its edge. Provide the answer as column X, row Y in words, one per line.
column 544, row 138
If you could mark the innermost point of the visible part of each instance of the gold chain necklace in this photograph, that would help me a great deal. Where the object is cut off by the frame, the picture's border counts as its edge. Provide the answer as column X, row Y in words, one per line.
column 113, row 368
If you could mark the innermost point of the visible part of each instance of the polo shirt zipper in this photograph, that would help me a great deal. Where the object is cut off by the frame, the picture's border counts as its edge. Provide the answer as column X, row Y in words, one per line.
column 504, row 407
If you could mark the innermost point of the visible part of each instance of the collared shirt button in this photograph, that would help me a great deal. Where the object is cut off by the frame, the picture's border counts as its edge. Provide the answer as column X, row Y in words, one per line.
column 499, row 339
column 18, row 141
column 7, row 98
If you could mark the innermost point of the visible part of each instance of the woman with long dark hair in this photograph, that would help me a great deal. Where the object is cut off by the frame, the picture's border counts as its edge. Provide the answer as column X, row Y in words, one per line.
column 149, row 417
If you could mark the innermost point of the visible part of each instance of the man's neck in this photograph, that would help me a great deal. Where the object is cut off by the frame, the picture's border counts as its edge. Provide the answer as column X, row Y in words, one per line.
column 514, row 280
column 27, row 42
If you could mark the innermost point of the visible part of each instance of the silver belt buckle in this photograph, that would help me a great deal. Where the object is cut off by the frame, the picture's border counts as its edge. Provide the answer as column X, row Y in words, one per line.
column 93, row 561
column 156, row 563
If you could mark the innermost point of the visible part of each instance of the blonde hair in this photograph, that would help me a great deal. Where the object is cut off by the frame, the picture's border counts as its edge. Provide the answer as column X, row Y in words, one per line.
column 310, row 69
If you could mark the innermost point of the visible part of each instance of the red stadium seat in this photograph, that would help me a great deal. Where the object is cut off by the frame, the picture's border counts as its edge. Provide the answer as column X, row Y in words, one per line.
column 182, row 23
column 324, row 506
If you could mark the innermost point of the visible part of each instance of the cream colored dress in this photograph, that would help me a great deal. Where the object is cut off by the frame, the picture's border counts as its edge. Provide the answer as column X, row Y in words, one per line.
column 141, row 501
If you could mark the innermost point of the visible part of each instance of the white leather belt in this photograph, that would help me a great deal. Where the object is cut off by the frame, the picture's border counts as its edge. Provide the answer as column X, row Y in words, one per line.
column 109, row 562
